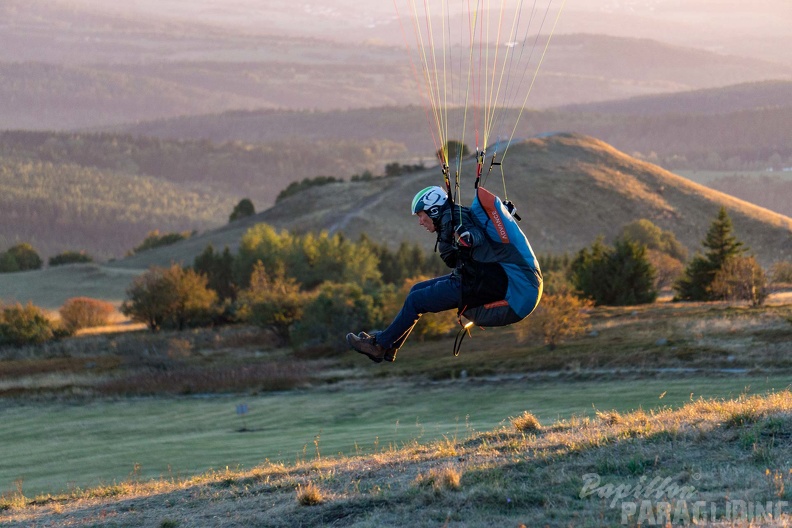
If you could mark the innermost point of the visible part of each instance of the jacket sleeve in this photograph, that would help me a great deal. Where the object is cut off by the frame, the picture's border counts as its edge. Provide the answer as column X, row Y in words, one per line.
column 449, row 251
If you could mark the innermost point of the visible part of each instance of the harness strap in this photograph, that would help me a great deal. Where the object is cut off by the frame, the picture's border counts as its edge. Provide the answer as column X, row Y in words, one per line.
column 465, row 330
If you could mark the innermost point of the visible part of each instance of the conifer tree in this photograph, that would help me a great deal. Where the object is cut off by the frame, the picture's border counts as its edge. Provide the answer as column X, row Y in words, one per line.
column 614, row 276
column 219, row 270
column 721, row 245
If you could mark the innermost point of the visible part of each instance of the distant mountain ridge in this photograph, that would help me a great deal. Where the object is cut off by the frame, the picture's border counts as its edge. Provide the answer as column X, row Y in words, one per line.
column 101, row 82
column 739, row 97
column 741, row 127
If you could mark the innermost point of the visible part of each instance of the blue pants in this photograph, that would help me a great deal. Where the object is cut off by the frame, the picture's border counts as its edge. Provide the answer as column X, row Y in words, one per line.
column 433, row 295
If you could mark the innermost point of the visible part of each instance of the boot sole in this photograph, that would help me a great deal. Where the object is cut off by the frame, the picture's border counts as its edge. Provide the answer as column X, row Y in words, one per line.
column 351, row 344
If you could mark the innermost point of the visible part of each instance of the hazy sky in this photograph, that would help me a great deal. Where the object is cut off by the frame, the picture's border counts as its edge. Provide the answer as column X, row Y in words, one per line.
column 760, row 28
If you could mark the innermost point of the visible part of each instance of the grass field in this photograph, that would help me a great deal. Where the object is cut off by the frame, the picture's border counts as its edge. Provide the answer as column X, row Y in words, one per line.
column 139, row 429
column 56, row 447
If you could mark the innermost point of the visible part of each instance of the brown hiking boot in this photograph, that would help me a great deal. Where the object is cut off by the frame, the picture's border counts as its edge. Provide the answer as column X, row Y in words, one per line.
column 367, row 345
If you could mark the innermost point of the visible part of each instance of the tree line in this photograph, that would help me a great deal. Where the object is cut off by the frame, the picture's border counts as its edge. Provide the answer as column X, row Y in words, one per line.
column 310, row 288
column 643, row 260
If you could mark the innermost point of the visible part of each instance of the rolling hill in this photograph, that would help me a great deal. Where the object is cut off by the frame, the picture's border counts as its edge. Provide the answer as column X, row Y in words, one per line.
column 569, row 189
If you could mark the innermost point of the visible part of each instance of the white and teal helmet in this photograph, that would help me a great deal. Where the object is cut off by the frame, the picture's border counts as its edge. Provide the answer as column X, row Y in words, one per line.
column 430, row 200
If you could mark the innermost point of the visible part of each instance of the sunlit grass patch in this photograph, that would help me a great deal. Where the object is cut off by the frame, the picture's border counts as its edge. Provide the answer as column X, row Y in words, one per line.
column 310, row 495
column 440, row 479
column 610, row 417
column 526, row 423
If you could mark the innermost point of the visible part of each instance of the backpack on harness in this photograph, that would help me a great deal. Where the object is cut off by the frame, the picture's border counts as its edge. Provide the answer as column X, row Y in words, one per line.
column 507, row 246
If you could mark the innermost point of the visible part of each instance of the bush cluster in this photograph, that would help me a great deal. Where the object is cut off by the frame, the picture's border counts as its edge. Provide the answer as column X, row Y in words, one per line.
column 21, row 257
column 69, row 257
column 616, row 276
column 82, row 312
column 307, row 289
column 154, row 240
column 24, row 325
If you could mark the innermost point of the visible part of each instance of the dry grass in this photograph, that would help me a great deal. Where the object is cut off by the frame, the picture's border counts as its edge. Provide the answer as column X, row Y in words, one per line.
column 526, row 422
column 141, row 363
column 440, row 479
column 497, row 478
column 309, row 495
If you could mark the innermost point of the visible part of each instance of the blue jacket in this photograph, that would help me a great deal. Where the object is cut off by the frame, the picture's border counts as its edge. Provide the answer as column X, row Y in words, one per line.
column 482, row 282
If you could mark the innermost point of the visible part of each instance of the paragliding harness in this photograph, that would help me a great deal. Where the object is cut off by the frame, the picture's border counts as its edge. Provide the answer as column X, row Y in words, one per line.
column 507, row 246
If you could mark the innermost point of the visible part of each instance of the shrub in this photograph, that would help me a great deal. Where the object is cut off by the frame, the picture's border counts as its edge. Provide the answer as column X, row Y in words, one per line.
column 155, row 240
column 617, row 276
column 667, row 268
column 556, row 282
column 740, row 279
column 309, row 495
column 439, row 479
column 174, row 297
column 645, row 232
column 24, row 325
column 526, row 422
column 83, row 312
column 558, row 317
column 8, row 263
column 297, row 187
column 275, row 303
column 243, row 209
column 336, row 310
column 781, row 272
column 21, row 257
column 69, row 257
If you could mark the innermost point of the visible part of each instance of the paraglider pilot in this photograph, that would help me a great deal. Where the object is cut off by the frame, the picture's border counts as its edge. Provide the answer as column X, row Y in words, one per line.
column 470, row 283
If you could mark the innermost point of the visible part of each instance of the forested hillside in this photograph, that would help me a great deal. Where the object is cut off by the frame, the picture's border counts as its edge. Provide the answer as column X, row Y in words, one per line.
column 258, row 171
column 59, row 207
column 103, row 193
column 743, row 140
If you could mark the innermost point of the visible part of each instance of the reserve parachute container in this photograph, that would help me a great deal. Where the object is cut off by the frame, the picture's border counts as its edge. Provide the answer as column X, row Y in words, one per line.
column 508, row 246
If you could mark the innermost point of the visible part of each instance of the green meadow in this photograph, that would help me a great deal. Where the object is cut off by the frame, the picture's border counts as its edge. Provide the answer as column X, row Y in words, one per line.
column 54, row 447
